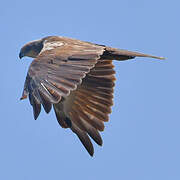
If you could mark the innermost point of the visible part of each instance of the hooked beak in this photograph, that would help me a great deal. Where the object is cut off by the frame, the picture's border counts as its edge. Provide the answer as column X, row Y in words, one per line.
column 21, row 55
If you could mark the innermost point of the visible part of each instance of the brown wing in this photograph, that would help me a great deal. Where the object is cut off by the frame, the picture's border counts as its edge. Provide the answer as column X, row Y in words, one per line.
column 56, row 72
column 89, row 105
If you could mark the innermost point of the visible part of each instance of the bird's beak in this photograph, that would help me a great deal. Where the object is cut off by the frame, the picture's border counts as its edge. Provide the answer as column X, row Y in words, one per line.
column 20, row 55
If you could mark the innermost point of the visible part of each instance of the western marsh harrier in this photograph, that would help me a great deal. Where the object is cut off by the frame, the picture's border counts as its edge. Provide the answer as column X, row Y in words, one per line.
column 77, row 79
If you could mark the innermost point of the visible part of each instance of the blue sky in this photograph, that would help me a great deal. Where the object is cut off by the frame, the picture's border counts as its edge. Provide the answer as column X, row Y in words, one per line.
column 141, row 140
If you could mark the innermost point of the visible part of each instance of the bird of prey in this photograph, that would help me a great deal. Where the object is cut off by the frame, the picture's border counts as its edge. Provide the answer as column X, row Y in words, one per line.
column 77, row 79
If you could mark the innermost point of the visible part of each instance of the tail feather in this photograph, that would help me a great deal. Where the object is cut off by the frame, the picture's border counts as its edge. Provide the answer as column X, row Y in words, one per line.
column 121, row 54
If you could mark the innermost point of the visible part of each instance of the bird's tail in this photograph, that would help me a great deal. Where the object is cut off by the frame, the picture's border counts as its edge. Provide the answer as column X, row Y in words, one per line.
column 121, row 54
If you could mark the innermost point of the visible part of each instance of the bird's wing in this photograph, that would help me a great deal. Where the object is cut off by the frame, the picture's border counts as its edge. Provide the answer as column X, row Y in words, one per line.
column 89, row 105
column 58, row 70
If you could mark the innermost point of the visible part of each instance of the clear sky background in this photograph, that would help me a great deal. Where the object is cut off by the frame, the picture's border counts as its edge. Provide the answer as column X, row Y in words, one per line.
column 142, row 138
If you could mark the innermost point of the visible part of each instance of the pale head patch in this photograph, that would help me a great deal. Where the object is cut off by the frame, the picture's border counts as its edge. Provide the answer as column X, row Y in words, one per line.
column 51, row 45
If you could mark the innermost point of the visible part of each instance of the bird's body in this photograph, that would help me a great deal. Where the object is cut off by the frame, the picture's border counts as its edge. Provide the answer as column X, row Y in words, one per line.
column 77, row 78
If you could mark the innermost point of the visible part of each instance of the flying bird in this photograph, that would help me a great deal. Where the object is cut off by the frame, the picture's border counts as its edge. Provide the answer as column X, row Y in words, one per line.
column 76, row 78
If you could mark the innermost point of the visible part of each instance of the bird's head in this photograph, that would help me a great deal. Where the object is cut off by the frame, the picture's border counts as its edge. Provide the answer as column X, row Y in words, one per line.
column 31, row 49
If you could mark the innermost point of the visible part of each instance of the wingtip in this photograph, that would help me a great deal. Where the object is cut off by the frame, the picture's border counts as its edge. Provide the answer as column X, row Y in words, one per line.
column 162, row 58
column 157, row 57
column 91, row 154
column 35, row 117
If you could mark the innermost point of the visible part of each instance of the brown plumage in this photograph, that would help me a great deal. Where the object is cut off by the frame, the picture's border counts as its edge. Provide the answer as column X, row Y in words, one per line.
column 77, row 79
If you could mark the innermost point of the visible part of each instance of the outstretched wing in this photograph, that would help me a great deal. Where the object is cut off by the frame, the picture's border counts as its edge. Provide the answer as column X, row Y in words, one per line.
column 58, row 70
column 89, row 105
